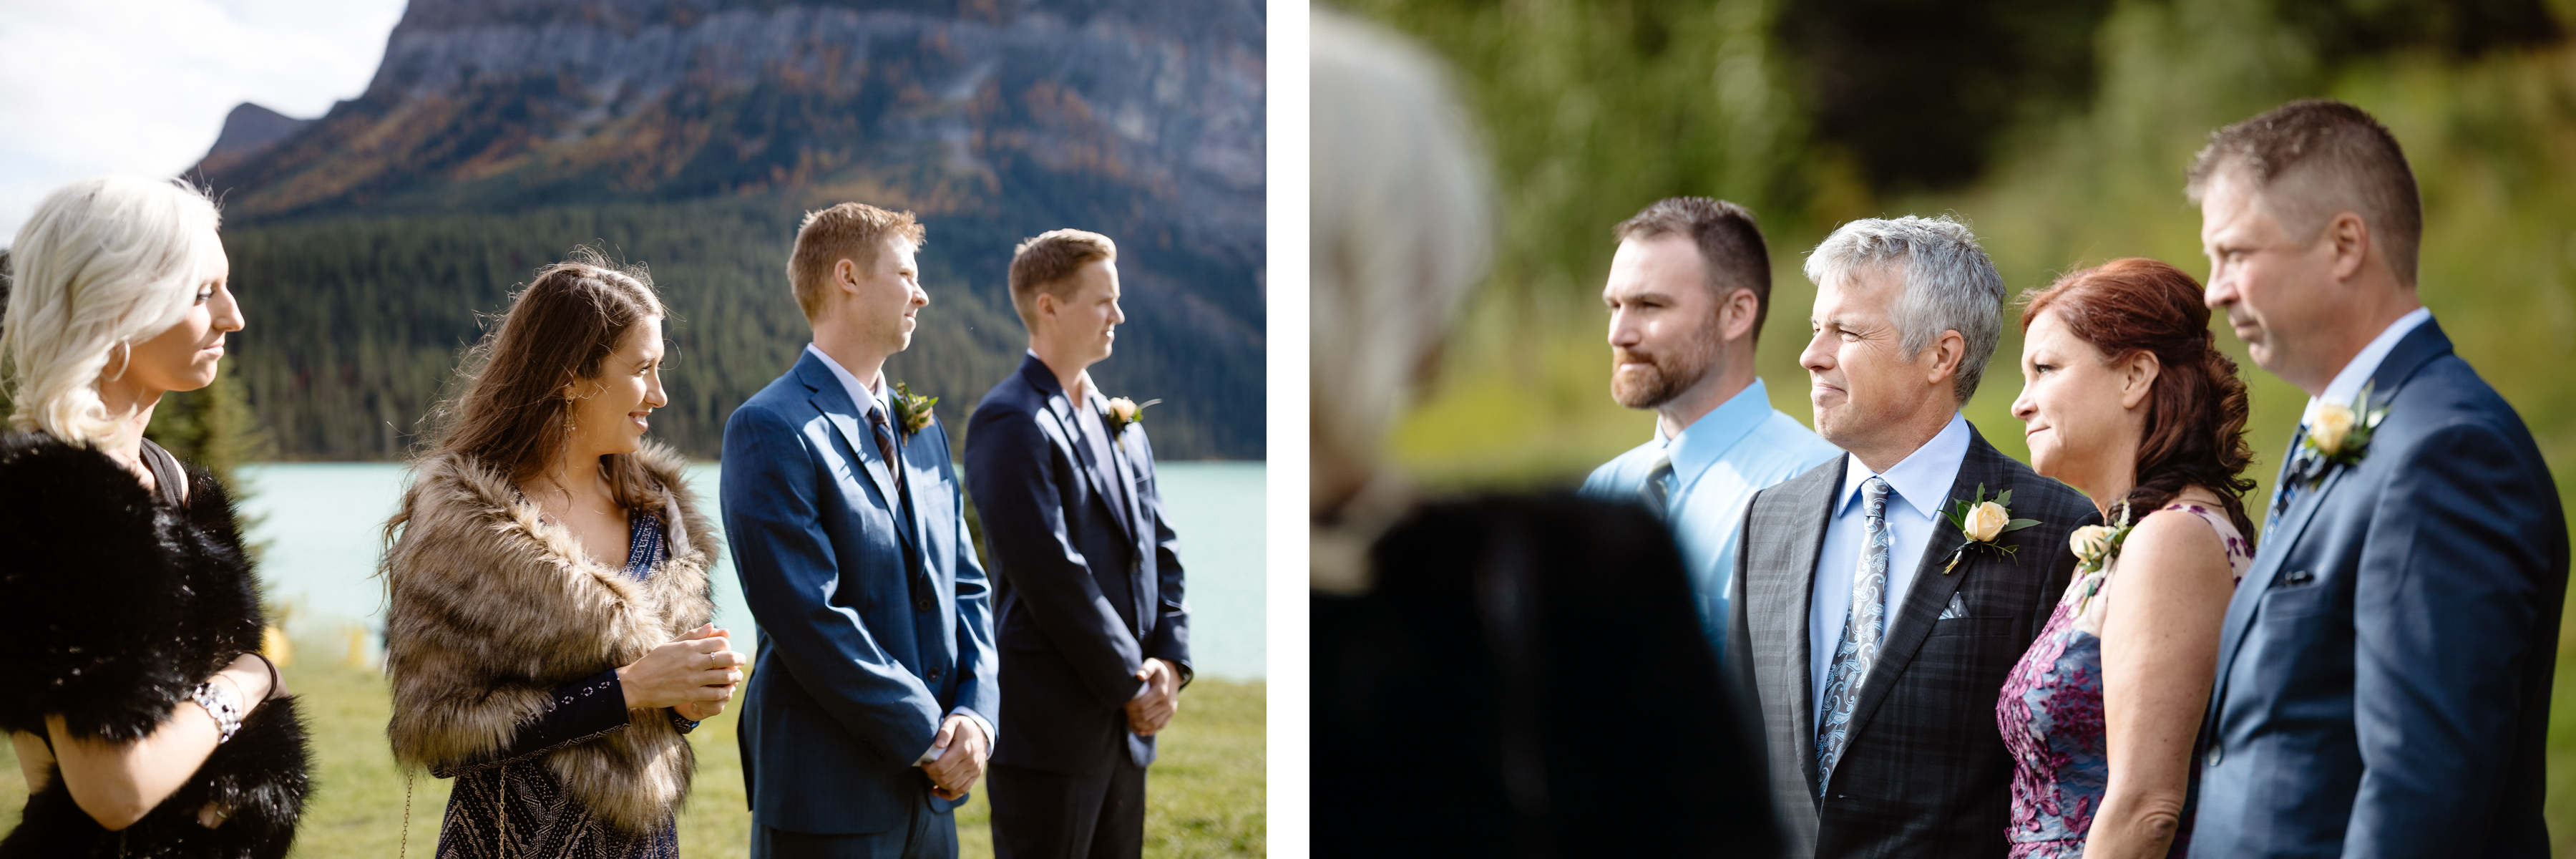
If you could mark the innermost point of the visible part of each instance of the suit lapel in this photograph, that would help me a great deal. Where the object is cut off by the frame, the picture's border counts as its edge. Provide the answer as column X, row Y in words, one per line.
column 2412, row 352
column 1787, row 596
column 911, row 487
column 1930, row 593
column 829, row 397
column 1095, row 470
column 1123, row 470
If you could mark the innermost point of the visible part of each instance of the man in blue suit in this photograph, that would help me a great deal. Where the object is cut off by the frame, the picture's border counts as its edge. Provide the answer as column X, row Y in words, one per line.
column 872, row 703
column 1092, row 621
column 2384, row 668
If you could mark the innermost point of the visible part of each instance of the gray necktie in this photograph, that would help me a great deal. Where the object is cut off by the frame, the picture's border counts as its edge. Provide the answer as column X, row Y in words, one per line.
column 1862, row 625
column 1657, row 490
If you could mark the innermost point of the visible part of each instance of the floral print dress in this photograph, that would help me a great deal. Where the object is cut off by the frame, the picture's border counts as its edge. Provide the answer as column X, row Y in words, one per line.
column 2051, row 714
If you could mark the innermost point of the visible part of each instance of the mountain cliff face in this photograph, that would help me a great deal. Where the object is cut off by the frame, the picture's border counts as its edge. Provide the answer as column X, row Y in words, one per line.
column 992, row 120
column 1148, row 114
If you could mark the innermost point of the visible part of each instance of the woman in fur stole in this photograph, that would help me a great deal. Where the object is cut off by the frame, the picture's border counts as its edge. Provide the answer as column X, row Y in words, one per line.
column 548, row 639
column 143, row 716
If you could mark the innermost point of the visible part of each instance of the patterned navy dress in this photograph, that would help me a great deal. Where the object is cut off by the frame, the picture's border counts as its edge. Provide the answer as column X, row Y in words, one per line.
column 512, row 799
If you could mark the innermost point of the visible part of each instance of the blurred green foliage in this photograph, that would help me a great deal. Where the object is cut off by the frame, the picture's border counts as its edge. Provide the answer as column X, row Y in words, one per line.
column 2077, row 138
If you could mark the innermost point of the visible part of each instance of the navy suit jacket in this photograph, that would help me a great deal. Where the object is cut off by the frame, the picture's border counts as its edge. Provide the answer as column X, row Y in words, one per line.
column 2384, row 671
column 1088, row 590
column 872, row 627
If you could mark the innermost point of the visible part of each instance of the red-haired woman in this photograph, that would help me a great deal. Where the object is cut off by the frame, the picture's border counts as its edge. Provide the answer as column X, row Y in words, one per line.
column 2127, row 399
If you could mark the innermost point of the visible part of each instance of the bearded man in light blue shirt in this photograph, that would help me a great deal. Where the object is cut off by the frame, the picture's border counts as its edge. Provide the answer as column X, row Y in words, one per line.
column 1688, row 291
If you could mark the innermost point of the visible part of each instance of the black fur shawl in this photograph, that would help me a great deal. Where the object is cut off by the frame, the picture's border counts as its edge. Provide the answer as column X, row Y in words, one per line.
column 131, row 605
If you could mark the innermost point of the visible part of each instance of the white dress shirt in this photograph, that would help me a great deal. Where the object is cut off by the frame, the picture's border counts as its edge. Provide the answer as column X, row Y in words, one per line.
column 1918, row 487
column 873, row 392
column 2348, row 381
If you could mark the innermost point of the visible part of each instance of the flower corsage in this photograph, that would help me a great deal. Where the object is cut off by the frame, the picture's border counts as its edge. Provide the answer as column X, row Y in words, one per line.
column 1983, row 522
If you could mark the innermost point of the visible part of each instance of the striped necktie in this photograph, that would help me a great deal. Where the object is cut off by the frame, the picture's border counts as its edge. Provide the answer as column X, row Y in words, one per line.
column 1657, row 490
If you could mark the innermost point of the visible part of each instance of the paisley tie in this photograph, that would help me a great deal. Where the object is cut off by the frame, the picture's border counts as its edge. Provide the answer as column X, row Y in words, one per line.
column 1862, row 625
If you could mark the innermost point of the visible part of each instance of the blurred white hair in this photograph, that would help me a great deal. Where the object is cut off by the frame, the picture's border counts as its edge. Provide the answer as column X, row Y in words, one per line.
column 1950, row 285
column 102, row 262
column 1400, row 229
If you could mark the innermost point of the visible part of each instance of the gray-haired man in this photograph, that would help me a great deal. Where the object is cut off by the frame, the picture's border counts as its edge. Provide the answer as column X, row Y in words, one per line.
column 1845, row 573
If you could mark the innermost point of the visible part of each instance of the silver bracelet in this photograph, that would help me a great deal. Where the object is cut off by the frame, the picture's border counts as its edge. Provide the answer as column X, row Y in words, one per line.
column 224, row 704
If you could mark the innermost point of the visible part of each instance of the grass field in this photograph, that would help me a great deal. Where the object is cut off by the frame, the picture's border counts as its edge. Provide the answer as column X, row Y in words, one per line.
column 1206, row 793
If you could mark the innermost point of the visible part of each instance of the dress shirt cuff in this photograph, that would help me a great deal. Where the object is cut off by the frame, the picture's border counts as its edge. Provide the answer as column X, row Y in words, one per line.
column 934, row 752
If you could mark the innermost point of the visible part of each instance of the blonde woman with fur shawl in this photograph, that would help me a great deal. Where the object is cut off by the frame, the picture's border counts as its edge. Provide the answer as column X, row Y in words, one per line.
column 548, row 639
column 143, row 717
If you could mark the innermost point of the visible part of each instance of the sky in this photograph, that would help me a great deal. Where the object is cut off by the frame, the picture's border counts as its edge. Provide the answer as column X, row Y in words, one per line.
column 90, row 87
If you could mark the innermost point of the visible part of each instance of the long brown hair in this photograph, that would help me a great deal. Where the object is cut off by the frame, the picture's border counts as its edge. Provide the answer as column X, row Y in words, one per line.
column 507, row 410
column 2196, row 408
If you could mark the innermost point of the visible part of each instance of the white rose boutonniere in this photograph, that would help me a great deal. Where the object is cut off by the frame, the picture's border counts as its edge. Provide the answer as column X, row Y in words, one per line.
column 1124, row 412
column 2095, row 546
column 1983, row 522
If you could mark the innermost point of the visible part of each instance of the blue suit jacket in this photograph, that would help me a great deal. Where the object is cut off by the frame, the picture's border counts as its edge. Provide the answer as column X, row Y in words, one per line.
column 872, row 628
column 2384, row 668
column 1088, row 591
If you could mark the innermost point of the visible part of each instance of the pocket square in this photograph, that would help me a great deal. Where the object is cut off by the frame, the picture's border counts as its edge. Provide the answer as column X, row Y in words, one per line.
column 1958, row 608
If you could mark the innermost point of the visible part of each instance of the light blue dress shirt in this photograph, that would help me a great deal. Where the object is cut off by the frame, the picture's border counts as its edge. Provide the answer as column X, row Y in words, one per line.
column 1741, row 447
column 1918, row 487
column 872, row 394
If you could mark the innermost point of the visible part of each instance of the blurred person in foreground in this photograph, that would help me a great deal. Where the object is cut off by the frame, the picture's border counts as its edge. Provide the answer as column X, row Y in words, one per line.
column 1501, row 676
column 1688, row 291
column 2384, row 671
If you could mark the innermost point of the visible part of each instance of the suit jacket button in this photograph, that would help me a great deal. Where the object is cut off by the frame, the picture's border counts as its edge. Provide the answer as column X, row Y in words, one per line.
column 934, row 675
column 2214, row 755
column 923, row 605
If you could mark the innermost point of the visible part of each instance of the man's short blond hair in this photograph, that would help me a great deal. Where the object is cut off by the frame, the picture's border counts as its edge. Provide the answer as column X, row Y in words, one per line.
column 851, row 231
column 1046, row 265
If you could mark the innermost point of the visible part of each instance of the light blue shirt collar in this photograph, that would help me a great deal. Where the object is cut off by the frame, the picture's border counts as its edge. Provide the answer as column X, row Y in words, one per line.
column 1923, row 479
column 860, row 392
column 2348, row 381
column 1706, row 439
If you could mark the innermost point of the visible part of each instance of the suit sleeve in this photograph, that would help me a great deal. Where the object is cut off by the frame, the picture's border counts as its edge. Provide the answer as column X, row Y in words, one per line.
column 772, row 513
column 1171, row 638
column 978, row 663
column 1009, row 468
column 2450, row 589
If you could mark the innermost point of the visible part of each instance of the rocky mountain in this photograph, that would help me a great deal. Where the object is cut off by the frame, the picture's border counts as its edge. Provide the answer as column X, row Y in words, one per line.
column 992, row 120
column 248, row 130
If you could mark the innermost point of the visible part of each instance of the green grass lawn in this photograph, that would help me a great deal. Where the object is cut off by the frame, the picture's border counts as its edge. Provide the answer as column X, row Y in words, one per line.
column 1206, row 792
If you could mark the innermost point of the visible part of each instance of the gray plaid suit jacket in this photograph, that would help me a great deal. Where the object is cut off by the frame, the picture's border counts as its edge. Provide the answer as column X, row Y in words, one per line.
column 1925, row 772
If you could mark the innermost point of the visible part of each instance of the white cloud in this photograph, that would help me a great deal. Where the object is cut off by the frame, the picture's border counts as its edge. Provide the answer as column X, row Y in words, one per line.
column 142, row 86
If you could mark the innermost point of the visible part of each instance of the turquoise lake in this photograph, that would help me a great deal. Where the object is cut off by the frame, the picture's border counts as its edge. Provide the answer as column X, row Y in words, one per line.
column 320, row 523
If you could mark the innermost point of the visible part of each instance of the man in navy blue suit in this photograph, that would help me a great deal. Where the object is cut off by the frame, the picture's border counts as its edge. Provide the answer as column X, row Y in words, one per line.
column 2384, row 668
column 872, row 704
column 1095, row 634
